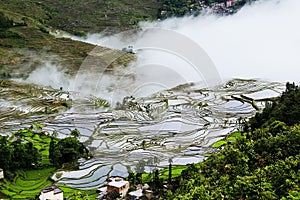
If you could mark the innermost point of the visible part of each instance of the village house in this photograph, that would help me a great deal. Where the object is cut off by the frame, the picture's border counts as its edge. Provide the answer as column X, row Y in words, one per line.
column 1, row 174
column 142, row 192
column 118, row 184
column 51, row 193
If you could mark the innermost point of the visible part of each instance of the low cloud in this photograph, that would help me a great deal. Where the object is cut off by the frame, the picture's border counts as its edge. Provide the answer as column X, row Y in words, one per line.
column 260, row 41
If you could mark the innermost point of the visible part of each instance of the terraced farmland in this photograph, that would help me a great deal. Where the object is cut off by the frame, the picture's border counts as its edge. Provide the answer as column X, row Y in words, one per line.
column 181, row 123
column 27, row 184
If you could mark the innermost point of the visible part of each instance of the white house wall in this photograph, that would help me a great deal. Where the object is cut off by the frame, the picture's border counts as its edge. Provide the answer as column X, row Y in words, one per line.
column 51, row 196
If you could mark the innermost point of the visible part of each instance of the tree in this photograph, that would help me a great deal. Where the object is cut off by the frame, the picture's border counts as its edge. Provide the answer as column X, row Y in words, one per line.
column 6, row 153
column 170, row 171
column 286, row 109
column 5, row 22
column 66, row 150
column 75, row 133
column 54, row 134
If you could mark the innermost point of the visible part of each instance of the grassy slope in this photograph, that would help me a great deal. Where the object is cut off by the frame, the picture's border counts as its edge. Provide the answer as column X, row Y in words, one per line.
column 232, row 137
column 23, row 48
column 28, row 184
column 88, row 15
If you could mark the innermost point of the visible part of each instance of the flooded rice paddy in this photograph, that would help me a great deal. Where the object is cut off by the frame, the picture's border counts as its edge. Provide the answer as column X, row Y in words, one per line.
column 179, row 124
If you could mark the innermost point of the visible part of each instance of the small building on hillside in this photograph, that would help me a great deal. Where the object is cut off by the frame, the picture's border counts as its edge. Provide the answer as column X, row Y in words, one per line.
column 119, row 185
column 136, row 194
column 51, row 193
column 228, row 3
column 142, row 192
column 1, row 174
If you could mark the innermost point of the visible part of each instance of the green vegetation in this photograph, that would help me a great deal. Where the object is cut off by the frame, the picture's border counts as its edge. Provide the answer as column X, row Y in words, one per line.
column 163, row 174
column 28, row 148
column 23, row 48
column 232, row 137
column 219, row 144
column 66, row 150
column 5, row 22
column 27, row 184
column 287, row 110
column 27, row 157
column 79, row 17
column 25, row 43
column 26, row 151
column 75, row 194
column 263, row 163
column 178, row 8
column 17, row 154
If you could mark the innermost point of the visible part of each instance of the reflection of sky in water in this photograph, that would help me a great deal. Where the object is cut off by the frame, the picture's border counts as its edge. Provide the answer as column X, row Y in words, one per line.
column 172, row 126
column 184, row 130
column 97, row 173
column 263, row 94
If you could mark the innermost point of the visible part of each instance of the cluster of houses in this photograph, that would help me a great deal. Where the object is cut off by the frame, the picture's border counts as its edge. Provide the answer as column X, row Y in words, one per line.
column 121, row 186
column 118, row 185
column 225, row 7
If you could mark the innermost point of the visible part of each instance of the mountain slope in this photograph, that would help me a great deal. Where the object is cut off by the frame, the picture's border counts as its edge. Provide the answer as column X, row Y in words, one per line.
column 75, row 16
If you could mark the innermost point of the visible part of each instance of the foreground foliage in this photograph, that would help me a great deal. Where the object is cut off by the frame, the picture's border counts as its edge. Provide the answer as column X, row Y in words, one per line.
column 264, row 163
column 29, row 158
column 287, row 109
column 66, row 150
column 31, row 148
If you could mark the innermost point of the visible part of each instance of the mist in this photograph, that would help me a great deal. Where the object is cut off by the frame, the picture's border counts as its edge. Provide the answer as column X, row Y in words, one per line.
column 260, row 41
column 50, row 74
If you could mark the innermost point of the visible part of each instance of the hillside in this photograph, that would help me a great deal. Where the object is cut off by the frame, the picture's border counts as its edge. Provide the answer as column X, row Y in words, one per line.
column 25, row 43
column 264, row 163
column 89, row 16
